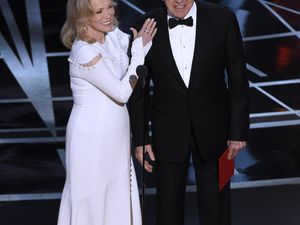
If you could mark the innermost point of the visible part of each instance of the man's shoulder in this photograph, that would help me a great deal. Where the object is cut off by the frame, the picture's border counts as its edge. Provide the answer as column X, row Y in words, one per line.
column 154, row 13
column 213, row 8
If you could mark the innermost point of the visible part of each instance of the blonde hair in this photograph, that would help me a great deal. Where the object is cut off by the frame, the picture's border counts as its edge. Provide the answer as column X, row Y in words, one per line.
column 78, row 13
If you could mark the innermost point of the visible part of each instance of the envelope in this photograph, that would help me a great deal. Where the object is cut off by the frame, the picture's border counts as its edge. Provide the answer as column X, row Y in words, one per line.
column 226, row 169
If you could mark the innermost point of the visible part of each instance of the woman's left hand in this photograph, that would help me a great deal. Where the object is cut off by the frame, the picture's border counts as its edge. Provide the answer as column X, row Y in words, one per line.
column 147, row 32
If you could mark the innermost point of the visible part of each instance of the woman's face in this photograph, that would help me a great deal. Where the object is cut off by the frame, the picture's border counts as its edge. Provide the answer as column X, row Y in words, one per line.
column 102, row 19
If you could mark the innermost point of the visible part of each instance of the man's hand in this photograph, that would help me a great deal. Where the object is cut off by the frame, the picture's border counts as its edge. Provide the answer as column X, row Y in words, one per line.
column 234, row 148
column 139, row 156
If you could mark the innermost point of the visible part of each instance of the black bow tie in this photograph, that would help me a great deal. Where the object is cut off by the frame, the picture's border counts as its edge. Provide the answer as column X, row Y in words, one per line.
column 173, row 22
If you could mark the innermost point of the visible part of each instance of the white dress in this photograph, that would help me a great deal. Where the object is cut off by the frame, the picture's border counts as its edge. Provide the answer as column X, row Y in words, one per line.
column 101, row 187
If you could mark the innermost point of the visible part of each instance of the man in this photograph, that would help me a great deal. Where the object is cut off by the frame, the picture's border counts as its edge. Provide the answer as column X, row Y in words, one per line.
column 195, row 109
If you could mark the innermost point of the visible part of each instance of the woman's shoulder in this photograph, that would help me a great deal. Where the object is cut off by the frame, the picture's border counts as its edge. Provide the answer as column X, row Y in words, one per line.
column 120, row 37
column 118, row 32
column 82, row 52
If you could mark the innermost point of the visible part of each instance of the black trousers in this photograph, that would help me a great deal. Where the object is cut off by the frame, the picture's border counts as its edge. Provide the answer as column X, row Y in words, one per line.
column 213, row 206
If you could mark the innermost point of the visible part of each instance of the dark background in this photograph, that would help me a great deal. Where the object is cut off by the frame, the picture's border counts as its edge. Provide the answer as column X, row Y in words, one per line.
column 35, row 102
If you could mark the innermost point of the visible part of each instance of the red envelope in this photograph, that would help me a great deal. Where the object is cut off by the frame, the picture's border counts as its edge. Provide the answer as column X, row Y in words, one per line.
column 226, row 169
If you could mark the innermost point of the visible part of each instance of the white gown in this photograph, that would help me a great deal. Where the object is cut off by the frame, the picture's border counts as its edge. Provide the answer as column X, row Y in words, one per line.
column 101, row 187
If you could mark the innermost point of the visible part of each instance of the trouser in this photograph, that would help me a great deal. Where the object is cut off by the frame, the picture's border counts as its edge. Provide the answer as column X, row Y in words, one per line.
column 213, row 206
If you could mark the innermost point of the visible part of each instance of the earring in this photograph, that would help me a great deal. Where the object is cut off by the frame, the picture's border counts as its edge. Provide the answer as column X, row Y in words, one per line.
column 85, row 28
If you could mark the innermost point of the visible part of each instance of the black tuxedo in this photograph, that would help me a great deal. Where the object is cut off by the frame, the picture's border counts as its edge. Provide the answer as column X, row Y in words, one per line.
column 209, row 110
column 215, row 113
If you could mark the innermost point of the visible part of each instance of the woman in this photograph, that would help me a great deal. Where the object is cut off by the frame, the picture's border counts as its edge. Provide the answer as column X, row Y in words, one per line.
column 100, row 186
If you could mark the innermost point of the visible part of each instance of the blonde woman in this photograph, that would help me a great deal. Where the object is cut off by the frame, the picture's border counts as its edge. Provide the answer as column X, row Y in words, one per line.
column 100, row 187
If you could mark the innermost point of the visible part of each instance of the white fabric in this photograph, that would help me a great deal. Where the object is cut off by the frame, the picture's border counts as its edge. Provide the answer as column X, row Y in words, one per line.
column 182, row 40
column 98, row 190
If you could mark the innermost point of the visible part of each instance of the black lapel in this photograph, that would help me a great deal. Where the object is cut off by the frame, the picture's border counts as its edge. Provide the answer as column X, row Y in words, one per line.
column 165, row 47
column 200, row 42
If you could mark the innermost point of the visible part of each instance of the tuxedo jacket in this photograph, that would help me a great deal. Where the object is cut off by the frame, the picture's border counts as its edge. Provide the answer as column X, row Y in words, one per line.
column 213, row 108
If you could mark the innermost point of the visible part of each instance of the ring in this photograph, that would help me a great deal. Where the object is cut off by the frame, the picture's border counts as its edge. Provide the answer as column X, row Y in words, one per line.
column 146, row 30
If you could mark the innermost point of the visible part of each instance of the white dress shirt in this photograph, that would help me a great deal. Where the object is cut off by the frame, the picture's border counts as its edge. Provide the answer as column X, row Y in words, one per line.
column 182, row 40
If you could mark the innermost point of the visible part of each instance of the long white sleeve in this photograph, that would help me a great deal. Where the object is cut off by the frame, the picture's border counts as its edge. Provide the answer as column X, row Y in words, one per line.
column 102, row 77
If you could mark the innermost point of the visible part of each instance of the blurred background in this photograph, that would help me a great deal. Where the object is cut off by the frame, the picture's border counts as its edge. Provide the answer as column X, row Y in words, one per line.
column 36, row 100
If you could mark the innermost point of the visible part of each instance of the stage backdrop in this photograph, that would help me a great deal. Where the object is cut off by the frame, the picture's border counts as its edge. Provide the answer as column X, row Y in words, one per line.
column 35, row 97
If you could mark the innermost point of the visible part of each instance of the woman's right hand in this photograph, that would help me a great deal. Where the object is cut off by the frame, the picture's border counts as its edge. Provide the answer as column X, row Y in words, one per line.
column 147, row 32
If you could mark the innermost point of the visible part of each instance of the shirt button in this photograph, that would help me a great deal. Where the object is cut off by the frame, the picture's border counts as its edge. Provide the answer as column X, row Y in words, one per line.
column 185, row 68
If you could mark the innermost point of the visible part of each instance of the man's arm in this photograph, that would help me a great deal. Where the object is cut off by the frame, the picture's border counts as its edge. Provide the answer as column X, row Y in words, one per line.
column 238, row 85
column 139, row 108
column 139, row 113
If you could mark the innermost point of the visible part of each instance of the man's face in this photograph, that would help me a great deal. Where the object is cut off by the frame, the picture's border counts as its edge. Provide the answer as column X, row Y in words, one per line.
column 179, row 8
